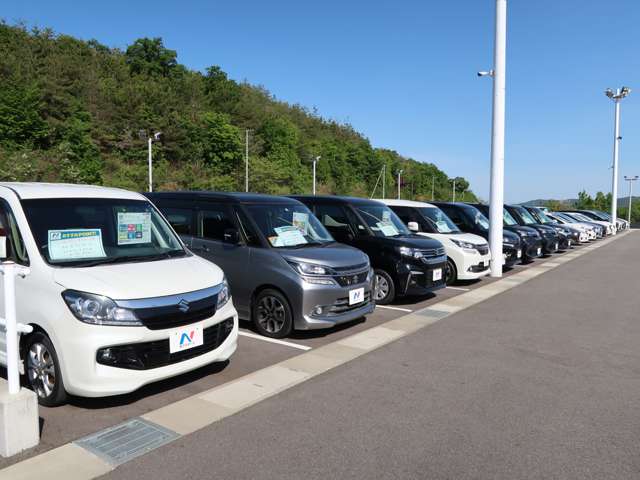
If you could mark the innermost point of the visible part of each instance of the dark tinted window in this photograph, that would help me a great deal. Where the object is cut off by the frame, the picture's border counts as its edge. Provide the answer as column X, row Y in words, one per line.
column 180, row 219
column 213, row 220
column 16, row 250
column 251, row 236
column 334, row 218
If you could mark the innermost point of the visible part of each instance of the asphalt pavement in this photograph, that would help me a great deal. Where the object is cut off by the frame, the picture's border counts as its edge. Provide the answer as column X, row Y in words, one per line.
column 541, row 381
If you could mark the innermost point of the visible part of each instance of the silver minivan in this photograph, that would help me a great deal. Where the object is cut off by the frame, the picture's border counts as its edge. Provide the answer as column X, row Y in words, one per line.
column 284, row 269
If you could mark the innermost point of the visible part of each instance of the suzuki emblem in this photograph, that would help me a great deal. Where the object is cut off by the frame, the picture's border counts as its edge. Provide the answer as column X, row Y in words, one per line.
column 183, row 305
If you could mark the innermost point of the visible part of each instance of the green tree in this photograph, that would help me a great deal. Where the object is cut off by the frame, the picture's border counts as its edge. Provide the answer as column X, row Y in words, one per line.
column 150, row 57
column 80, row 158
column 20, row 119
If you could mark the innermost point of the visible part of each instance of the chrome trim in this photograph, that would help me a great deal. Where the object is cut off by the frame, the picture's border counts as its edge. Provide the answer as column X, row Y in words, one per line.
column 170, row 300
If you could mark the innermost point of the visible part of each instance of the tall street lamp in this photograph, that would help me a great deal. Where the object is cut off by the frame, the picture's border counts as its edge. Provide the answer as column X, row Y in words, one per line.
column 315, row 160
column 617, row 97
column 497, row 137
column 156, row 138
column 246, row 160
column 630, row 180
column 399, row 175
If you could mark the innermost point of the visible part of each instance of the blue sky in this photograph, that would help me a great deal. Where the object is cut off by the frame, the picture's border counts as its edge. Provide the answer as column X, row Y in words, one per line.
column 403, row 73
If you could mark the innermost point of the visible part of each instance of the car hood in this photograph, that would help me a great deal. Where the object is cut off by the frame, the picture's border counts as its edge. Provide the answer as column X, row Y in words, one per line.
column 127, row 281
column 413, row 241
column 464, row 237
column 521, row 229
column 544, row 228
column 333, row 255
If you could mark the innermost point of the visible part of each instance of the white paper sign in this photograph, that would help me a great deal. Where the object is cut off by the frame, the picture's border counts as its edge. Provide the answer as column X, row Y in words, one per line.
column 288, row 236
column 75, row 244
column 301, row 222
column 388, row 229
column 134, row 227
column 443, row 227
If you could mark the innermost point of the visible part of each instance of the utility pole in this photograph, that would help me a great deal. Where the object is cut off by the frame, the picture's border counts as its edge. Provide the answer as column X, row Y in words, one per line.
column 384, row 180
column 453, row 193
column 630, row 180
column 315, row 160
column 433, row 187
column 156, row 137
column 498, row 74
column 399, row 176
column 617, row 97
column 246, row 160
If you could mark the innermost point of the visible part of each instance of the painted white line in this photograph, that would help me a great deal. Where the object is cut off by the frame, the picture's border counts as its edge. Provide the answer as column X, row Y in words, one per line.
column 394, row 308
column 458, row 288
column 273, row 340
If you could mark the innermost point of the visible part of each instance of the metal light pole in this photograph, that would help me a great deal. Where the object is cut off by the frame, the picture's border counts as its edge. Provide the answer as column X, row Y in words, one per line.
column 453, row 192
column 246, row 160
column 616, row 96
column 497, row 137
column 156, row 137
column 399, row 174
column 315, row 160
column 630, row 180
column 433, row 187
column 384, row 180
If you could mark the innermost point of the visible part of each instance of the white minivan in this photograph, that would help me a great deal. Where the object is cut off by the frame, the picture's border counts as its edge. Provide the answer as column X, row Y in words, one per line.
column 468, row 255
column 115, row 299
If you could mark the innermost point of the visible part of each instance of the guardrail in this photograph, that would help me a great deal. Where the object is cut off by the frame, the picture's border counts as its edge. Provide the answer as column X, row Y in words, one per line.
column 10, row 271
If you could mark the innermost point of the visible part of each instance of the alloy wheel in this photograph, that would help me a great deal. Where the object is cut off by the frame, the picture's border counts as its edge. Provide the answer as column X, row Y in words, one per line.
column 271, row 314
column 41, row 370
column 382, row 287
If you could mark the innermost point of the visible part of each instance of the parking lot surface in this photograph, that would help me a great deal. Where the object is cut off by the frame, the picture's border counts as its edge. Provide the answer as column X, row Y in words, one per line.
column 541, row 381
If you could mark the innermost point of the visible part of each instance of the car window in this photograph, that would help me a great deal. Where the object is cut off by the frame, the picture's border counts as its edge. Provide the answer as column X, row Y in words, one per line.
column 334, row 218
column 250, row 235
column 438, row 220
column 16, row 250
column 382, row 221
column 180, row 219
column 213, row 220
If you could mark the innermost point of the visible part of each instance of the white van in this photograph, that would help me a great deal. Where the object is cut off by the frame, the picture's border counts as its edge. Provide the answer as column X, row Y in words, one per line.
column 468, row 255
column 115, row 299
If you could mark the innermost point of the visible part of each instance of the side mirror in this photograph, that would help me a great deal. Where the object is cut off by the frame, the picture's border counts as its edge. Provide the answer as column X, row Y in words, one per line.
column 413, row 226
column 232, row 236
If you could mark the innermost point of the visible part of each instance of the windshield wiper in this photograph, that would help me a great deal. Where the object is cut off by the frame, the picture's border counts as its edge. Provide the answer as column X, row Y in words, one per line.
column 130, row 258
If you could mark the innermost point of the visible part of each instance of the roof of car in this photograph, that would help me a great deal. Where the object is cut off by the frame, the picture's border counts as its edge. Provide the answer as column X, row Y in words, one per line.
column 34, row 190
column 405, row 203
column 452, row 204
column 335, row 199
column 234, row 197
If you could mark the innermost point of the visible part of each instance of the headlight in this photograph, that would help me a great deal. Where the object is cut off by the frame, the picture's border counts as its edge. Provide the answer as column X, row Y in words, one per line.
column 465, row 245
column 223, row 295
column 98, row 310
column 310, row 268
column 410, row 252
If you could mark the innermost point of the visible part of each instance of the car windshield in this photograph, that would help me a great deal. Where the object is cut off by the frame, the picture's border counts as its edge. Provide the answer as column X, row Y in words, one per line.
column 477, row 217
column 581, row 217
column 438, row 219
column 382, row 221
column 289, row 225
column 566, row 218
column 541, row 216
column 508, row 219
column 526, row 216
column 80, row 232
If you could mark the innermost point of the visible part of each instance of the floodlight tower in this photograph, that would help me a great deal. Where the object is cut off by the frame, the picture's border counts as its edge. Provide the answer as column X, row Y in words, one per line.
column 616, row 97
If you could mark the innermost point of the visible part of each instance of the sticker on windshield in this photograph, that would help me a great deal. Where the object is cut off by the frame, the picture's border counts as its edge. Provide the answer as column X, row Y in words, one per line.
column 443, row 227
column 134, row 227
column 386, row 216
column 388, row 229
column 301, row 222
column 75, row 244
column 288, row 236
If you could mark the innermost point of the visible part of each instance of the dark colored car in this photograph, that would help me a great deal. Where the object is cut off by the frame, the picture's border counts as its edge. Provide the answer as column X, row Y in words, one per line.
column 530, row 238
column 471, row 220
column 568, row 236
column 550, row 238
column 404, row 263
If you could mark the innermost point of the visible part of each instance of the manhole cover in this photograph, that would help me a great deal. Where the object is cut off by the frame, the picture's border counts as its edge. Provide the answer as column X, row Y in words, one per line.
column 123, row 442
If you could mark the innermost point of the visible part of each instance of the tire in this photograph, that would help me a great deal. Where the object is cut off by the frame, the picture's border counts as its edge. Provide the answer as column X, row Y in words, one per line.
column 272, row 314
column 42, row 370
column 451, row 273
column 384, row 291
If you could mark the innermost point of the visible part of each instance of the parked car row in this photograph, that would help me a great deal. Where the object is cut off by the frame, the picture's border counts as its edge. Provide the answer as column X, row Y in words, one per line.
column 127, row 289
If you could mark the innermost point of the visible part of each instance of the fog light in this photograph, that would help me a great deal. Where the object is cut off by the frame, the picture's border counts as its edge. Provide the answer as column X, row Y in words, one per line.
column 318, row 311
column 107, row 356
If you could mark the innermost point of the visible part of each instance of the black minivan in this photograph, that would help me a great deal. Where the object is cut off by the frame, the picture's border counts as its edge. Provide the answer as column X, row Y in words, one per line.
column 471, row 220
column 404, row 263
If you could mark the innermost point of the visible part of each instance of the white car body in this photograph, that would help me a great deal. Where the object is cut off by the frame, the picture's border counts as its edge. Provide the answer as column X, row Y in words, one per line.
column 583, row 227
column 610, row 228
column 470, row 263
column 156, row 284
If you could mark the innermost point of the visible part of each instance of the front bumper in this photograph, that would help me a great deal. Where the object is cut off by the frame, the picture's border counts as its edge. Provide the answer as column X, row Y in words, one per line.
column 333, row 304
column 474, row 266
column 532, row 248
column 512, row 254
column 419, row 277
column 550, row 244
column 84, row 376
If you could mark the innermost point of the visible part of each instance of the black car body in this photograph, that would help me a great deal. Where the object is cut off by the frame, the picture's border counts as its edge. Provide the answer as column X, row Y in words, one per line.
column 530, row 238
column 408, row 263
column 568, row 236
column 550, row 238
column 471, row 220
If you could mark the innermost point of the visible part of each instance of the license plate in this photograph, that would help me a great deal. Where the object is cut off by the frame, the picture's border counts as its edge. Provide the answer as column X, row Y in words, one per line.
column 185, row 338
column 568, row 243
column 519, row 254
column 539, row 251
column 556, row 247
column 437, row 274
column 356, row 296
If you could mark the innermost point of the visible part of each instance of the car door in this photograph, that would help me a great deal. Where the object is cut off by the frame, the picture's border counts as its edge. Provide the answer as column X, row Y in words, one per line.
column 16, row 252
column 214, row 220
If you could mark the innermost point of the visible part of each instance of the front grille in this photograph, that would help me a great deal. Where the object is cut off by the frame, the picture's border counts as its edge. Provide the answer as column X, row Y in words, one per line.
column 432, row 252
column 482, row 249
column 478, row 268
column 148, row 355
column 352, row 268
column 351, row 278
column 341, row 305
column 159, row 318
